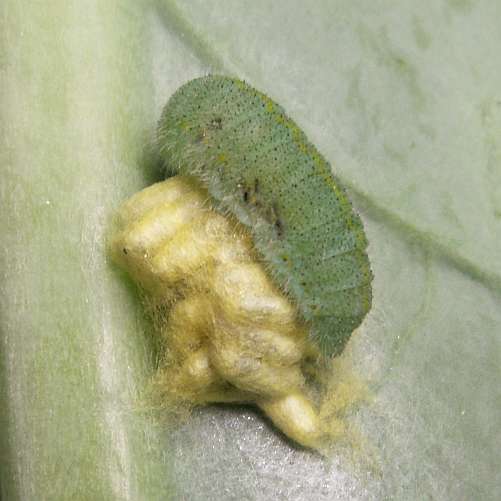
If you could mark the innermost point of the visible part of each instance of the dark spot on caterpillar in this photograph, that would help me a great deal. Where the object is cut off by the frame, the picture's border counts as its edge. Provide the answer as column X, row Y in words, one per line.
column 217, row 123
column 277, row 222
column 249, row 194
column 279, row 227
column 125, row 251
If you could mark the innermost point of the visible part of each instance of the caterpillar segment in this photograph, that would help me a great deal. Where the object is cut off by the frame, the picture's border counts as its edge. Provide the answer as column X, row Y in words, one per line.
column 230, row 334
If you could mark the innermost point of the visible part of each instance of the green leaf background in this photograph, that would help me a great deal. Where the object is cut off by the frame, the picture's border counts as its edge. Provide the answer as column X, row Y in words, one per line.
column 404, row 98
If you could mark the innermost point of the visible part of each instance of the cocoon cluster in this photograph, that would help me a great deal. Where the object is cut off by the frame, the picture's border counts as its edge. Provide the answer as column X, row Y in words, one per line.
column 251, row 256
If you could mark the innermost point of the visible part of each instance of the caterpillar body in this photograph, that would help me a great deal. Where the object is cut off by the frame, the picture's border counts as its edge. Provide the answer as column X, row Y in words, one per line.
column 258, row 165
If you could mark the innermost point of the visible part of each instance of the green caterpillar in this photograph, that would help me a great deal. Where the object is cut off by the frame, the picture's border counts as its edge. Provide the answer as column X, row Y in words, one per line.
column 257, row 164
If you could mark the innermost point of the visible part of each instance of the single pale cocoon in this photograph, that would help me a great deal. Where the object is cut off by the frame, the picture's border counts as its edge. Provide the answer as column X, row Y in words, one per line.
column 229, row 334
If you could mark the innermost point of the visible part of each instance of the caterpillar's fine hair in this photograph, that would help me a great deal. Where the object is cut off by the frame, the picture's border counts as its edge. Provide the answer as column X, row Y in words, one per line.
column 258, row 164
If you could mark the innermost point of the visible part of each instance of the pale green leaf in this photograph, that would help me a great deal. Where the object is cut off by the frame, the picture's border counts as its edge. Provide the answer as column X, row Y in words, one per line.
column 403, row 98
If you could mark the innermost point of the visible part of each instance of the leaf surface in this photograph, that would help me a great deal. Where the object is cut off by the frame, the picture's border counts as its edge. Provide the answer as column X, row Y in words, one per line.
column 402, row 98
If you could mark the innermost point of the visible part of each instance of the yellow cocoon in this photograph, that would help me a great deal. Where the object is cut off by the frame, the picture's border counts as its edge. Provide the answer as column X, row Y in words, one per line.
column 228, row 334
